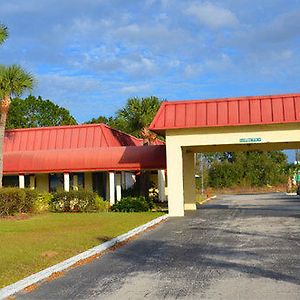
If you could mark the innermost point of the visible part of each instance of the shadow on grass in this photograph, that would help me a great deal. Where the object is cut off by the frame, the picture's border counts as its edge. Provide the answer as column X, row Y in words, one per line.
column 103, row 239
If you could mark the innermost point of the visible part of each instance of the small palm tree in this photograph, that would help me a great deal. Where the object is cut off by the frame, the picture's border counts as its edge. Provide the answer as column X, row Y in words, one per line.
column 138, row 113
column 14, row 81
column 3, row 33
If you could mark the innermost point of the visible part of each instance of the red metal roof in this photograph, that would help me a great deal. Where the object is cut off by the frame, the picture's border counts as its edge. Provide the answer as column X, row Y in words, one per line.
column 67, row 137
column 86, row 159
column 228, row 112
column 74, row 148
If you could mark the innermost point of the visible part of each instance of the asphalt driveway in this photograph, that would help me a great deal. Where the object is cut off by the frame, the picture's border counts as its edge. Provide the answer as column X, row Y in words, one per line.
column 235, row 247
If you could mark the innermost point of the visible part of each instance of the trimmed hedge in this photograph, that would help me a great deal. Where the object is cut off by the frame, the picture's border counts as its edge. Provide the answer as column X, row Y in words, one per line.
column 77, row 201
column 31, row 197
column 14, row 200
column 42, row 203
column 11, row 201
column 132, row 204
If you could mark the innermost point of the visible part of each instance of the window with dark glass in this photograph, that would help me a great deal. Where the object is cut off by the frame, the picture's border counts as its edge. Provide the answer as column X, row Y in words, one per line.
column 13, row 181
column 76, row 181
column 56, row 182
column 10, row 181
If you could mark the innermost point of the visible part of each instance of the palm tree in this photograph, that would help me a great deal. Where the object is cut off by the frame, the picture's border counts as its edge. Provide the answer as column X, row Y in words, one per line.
column 138, row 114
column 14, row 81
column 3, row 33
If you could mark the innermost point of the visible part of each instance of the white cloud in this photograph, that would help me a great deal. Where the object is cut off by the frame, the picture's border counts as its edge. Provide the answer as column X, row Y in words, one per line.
column 212, row 16
column 156, row 37
column 134, row 89
column 139, row 66
column 58, row 82
column 149, row 3
column 19, row 7
column 192, row 70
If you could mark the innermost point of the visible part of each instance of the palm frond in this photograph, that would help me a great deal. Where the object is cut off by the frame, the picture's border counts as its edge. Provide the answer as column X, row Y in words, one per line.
column 14, row 81
column 3, row 33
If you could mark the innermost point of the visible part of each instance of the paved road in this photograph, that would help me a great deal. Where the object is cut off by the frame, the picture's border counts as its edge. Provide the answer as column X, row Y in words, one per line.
column 235, row 247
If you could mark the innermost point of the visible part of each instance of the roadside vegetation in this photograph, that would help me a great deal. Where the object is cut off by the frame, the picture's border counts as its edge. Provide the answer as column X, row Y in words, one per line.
column 252, row 171
column 30, row 243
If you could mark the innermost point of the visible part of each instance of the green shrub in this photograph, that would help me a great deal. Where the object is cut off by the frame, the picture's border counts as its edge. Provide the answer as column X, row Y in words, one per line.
column 74, row 201
column 31, row 197
column 101, row 205
column 15, row 200
column 41, row 204
column 12, row 201
column 132, row 204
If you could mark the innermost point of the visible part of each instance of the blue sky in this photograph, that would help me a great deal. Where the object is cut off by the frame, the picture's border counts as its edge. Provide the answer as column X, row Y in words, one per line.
column 90, row 56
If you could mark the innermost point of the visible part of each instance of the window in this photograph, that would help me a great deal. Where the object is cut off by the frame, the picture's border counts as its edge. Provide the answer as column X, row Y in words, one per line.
column 13, row 181
column 10, row 181
column 77, row 181
column 56, row 182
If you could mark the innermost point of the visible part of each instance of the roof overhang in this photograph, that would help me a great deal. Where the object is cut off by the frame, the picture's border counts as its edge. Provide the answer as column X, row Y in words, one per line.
column 241, row 111
column 86, row 159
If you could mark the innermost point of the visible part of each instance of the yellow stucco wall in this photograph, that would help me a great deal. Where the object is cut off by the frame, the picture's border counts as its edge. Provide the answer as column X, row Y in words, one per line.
column 189, row 186
column 279, row 136
column 42, row 184
column 154, row 179
column 88, row 181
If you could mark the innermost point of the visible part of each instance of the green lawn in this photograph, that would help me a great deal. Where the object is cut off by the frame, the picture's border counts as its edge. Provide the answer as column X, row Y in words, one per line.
column 30, row 245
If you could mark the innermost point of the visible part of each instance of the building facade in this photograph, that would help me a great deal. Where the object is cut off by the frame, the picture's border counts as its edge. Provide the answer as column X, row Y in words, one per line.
column 94, row 157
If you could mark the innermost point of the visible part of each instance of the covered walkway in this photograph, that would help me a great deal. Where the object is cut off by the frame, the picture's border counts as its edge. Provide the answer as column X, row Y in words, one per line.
column 232, row 124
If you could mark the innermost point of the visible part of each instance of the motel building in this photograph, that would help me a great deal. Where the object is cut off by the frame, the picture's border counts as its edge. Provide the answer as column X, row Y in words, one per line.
column 93, row 157
column 97, row 157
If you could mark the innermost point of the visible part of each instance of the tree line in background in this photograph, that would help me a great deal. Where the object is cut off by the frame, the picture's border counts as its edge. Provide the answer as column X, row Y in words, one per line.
column 33, row 111
column 243, row 169
column 36, row 112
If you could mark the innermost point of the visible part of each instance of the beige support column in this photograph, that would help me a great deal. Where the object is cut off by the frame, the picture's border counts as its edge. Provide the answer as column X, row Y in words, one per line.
column 161, row 185
column 75, row 183
column 118, row 186
column 123, row 180
column 175, row 180
column 189, row 186
column 112, row 188
column 32, row 182
column 21, row 181
column 67, row 182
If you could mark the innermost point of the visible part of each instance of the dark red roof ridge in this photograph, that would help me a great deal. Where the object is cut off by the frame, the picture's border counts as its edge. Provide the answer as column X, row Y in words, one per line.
column 122, row 132
column 58, row 127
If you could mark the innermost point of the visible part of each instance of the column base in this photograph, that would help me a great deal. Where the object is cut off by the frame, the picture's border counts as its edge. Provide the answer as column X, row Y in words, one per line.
column 190, row 206
column 176, row 214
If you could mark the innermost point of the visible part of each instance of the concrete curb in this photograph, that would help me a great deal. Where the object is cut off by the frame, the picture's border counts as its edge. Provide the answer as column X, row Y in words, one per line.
column 291, row 194
column 37, row 277
column 207, row 199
